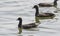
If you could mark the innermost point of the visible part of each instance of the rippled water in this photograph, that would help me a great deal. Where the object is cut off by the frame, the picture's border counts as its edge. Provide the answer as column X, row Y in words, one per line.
column 10, row 10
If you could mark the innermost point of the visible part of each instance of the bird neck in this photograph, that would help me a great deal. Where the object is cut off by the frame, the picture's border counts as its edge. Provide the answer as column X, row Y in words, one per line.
column 55, row 3
column 20, row 24
column 37, row 12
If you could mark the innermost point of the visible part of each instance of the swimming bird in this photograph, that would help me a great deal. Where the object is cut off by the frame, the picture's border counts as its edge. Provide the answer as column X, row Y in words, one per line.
column 43, row 15
column 48, row 5
column 26, row 26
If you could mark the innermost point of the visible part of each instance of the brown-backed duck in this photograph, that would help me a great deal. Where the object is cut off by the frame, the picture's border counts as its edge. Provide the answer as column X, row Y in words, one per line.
column 43, row 15
column 48, row 5
column 26, row 26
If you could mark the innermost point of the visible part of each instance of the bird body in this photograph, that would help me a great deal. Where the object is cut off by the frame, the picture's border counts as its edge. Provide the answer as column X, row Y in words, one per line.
column 48, row 5
column 28, row 26
column 45, row 5
column 45, row 15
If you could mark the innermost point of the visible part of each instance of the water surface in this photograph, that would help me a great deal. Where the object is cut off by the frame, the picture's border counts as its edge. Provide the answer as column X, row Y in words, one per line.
column 10, row 10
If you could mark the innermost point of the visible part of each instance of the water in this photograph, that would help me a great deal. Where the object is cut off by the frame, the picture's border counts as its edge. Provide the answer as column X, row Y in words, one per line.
column 10, row 10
